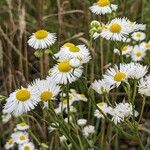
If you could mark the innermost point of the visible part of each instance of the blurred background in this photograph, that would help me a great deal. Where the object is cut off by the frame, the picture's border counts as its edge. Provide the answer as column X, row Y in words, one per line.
column 70, row 19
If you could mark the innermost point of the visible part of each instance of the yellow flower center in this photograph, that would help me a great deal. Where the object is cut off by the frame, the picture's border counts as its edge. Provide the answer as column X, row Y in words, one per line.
column 23, row 95
column 65, row 101
column 82, row 95
column 101, row 104
column 119, row 76
column 103, row 3
column 41, row 34
column 115, row 28
column 46, row 96
column 147, row 45
column 10, row 141
column 64, row 66
column 138, row 54
column 22, row 124
column 69, row 44
column 22, row 137
column 72, row 47
column 125, row 48
column 26, row 148
column 138, row 35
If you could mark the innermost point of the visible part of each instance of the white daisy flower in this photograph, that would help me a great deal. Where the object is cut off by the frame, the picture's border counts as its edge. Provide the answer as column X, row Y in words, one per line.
column 70, row 119
column 53, row 127
column 117, row 30
column 114, row 76
column 121, row 111
column 21, row 101
column 125, row 50
column 62, row 139
column 78, row 97
column 138, row 53
column 145, row 45
column 88, row 130
column 48, row 90
column 9, row 144
column 81, row 122
column 75, row 62
column 72, row 109
column 105, row 109
column 96, row 35
column 144, row 86
column 101, row 86
column 138, row 36
column 27, row 146
column 69, row 51
column 103, row 7
column 137, row 27
column 64, row 73
column 42, row 39
column 22, row 126
column 116, row 51
column 6, row 117
column 20, row 137
column 63, row 105
column 137, row 71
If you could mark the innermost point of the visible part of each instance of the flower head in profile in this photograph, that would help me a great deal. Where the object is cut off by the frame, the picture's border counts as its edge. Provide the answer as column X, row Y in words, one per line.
column 103, row 7
column 137, row 26
column 125, row 50
column 104, row 108
column 63, row 105
column 137, row 71
column 22, row 126
column 21, row 101
column 117, row 29
column 42, row 39
column 145, row 45
column 63, row 73
column 6, row 117
column 114, row 76
column 81, row 122
column 101, row 86
column 121, row 111
column 70, row 51
column 9, row 144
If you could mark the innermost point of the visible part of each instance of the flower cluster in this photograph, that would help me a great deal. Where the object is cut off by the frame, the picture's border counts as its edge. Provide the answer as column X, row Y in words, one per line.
column 20, row 138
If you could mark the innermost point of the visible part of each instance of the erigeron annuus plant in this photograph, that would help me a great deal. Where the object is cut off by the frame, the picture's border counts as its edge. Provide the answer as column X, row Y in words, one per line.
column 74, row 109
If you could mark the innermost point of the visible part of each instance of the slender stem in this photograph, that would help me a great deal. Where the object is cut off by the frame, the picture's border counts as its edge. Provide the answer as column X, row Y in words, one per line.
column 140, row 142
column 102, row 134
column 116, row 141
column 107, row 99
column 68, row 107
column 142, row 110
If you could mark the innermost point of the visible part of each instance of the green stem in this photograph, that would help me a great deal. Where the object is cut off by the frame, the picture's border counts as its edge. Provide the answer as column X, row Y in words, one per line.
column 102, row 134
column 68, row 107
column 142, row 110
column 140, row 142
